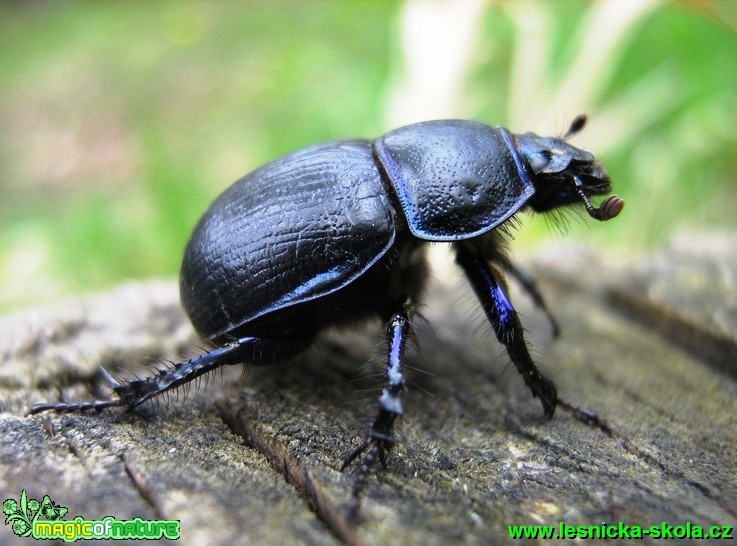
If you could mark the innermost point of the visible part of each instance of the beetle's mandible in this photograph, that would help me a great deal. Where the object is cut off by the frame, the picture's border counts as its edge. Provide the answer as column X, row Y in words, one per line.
column 334, row 233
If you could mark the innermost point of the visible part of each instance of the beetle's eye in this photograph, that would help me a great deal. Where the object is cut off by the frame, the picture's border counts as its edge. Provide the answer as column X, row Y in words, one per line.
column 539, row 161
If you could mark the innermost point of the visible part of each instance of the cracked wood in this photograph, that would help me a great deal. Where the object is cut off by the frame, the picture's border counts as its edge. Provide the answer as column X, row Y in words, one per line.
column 474, row 453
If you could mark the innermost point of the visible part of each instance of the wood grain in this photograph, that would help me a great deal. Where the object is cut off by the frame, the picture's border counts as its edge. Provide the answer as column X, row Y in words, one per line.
column 647, row 344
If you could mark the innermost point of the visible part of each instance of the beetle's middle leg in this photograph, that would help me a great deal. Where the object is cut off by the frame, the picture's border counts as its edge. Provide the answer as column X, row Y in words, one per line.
column 380, row 437
column 505, row 322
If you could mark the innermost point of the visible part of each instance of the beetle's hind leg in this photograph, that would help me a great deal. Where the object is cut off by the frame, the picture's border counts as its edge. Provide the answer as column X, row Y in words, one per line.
column 248, row 350
column 380, row 437
column 505, row 322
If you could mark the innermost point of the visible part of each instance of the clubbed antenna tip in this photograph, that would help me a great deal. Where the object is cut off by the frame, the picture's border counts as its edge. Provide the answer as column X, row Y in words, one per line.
column 608, row 209
column 577, row 125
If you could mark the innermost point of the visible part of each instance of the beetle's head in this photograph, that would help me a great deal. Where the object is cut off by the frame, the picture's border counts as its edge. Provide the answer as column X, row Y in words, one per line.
column 565, row 175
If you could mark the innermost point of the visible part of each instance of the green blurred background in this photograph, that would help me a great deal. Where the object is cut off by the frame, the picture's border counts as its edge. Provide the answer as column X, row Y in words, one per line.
column 121, row 121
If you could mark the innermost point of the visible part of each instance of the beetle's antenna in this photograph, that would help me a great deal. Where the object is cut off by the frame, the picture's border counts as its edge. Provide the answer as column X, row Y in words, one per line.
column 577, row 125
column 608, row 209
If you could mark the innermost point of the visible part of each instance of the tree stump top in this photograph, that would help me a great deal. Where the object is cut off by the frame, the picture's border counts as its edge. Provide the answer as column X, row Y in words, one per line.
column 649, row 345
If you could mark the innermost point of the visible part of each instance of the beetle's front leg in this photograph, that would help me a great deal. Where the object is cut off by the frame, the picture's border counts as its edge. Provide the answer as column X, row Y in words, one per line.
column 530, row 286
column 380, row 437
column 492, row 250
column 505, row 322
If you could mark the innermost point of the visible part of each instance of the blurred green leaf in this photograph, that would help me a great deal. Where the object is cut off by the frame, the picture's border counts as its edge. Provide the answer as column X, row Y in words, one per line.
column 121, row 121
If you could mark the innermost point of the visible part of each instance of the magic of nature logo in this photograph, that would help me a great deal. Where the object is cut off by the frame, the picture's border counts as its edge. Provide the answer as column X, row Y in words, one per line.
column 45, row 520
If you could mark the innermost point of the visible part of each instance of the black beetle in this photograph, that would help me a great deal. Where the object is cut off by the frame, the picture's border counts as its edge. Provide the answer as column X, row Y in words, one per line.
column 334, row 233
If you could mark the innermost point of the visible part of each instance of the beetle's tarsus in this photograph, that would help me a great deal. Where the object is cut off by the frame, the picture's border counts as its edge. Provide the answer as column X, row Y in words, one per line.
column 97, row 405
column 354, row 454
column 382, row 456
column 587, row 417
column 368, row 465
column 377, row 450
column 133, row 393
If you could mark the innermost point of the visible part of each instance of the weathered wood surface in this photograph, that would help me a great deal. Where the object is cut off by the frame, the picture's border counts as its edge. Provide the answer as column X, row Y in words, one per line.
column 649, row 345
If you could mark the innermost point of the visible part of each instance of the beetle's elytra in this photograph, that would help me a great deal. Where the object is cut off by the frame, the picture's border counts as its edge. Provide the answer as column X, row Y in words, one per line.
column 334, row 233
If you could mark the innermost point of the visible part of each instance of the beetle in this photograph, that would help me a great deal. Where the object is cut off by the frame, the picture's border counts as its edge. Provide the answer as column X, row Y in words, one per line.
column 334, row 233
